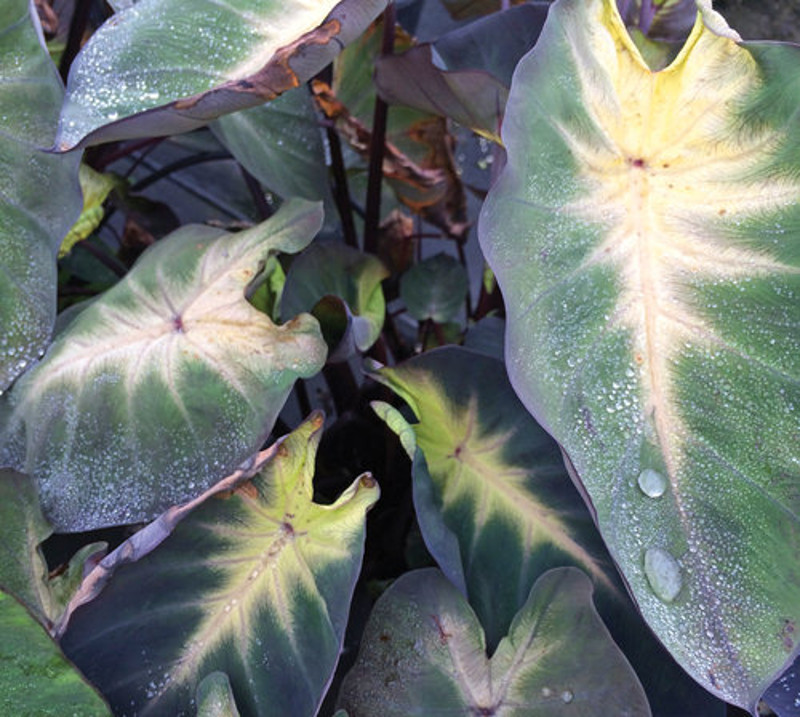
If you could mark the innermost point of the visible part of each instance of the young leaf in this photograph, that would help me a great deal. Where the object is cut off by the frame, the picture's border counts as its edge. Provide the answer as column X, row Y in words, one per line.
column 36, row 679
column 168, row 66
column 39, row 193
column 351, row 283
column 256, row 584
column 645, row 236
column 424, row 653
column 435, row 288
column 492, row 478
column 165, row 383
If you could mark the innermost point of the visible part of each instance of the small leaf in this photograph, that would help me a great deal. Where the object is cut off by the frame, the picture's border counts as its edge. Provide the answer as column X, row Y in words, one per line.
column 95, row 187
column 169, row 66
column 173, row 350
column 353, row 281
column 424, row 653
column 436, row 288
column 256, row 583
column 39, row 194
column 35, row 678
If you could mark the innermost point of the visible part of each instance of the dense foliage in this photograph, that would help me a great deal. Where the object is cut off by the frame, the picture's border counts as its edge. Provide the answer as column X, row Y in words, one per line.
column 536, row 267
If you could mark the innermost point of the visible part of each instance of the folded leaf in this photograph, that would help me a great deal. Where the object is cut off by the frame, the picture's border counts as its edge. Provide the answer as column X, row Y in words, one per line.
column 168, row 66
column 342, row 287
column 166, row 382
column 645, row 235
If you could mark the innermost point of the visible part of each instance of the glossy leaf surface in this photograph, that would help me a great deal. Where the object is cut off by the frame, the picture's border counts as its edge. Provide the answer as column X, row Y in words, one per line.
column 35, row 678
column 494, row 502
column 256, row 584
column 166, row 382
column 168, row 66
column 39, row 193
column 645, row 235
column 424, row 653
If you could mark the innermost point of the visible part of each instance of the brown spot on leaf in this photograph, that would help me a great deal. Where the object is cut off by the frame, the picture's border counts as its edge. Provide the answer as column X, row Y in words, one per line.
column 444, row 636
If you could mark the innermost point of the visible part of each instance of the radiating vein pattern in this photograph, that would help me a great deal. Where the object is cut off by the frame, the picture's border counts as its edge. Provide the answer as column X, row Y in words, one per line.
column 171, row 372
column 257, row 583
column 646, row 235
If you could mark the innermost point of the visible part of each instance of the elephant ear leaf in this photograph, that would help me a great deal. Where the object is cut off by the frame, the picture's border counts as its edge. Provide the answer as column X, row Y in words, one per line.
column 646, row 236
column 255, row 582
column 39, row 193
column 168, row 66
column 174, row 349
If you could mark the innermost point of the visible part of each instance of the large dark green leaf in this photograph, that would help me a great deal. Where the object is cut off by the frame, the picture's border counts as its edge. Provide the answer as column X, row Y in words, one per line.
column 256, row 583
column 165, row 383
column 494, row 502
column 424, row 653
column 39, row 193
column 167, row 66
column 646, row 236
column 35, row 678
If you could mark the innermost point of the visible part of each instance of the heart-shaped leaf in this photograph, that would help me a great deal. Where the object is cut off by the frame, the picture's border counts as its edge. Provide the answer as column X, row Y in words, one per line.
column 436, row 288
column 36, row 679
column 256, row 584
column 424, row 653
column 491, row 478
column 39, row 193
column 168, row 66
column 645, row 236
column 166, row 382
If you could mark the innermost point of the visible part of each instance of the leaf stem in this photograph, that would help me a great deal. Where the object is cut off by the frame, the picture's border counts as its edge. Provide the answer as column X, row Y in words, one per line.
column 377, row 146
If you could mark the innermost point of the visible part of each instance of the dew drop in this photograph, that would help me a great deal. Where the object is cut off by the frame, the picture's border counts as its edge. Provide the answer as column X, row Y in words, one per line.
column 663, row 573
column 652, row 483
column 567, row 696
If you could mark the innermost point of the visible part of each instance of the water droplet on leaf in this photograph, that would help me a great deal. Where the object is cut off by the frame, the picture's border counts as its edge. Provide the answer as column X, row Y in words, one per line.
column 663, row 573
column 652, row 483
